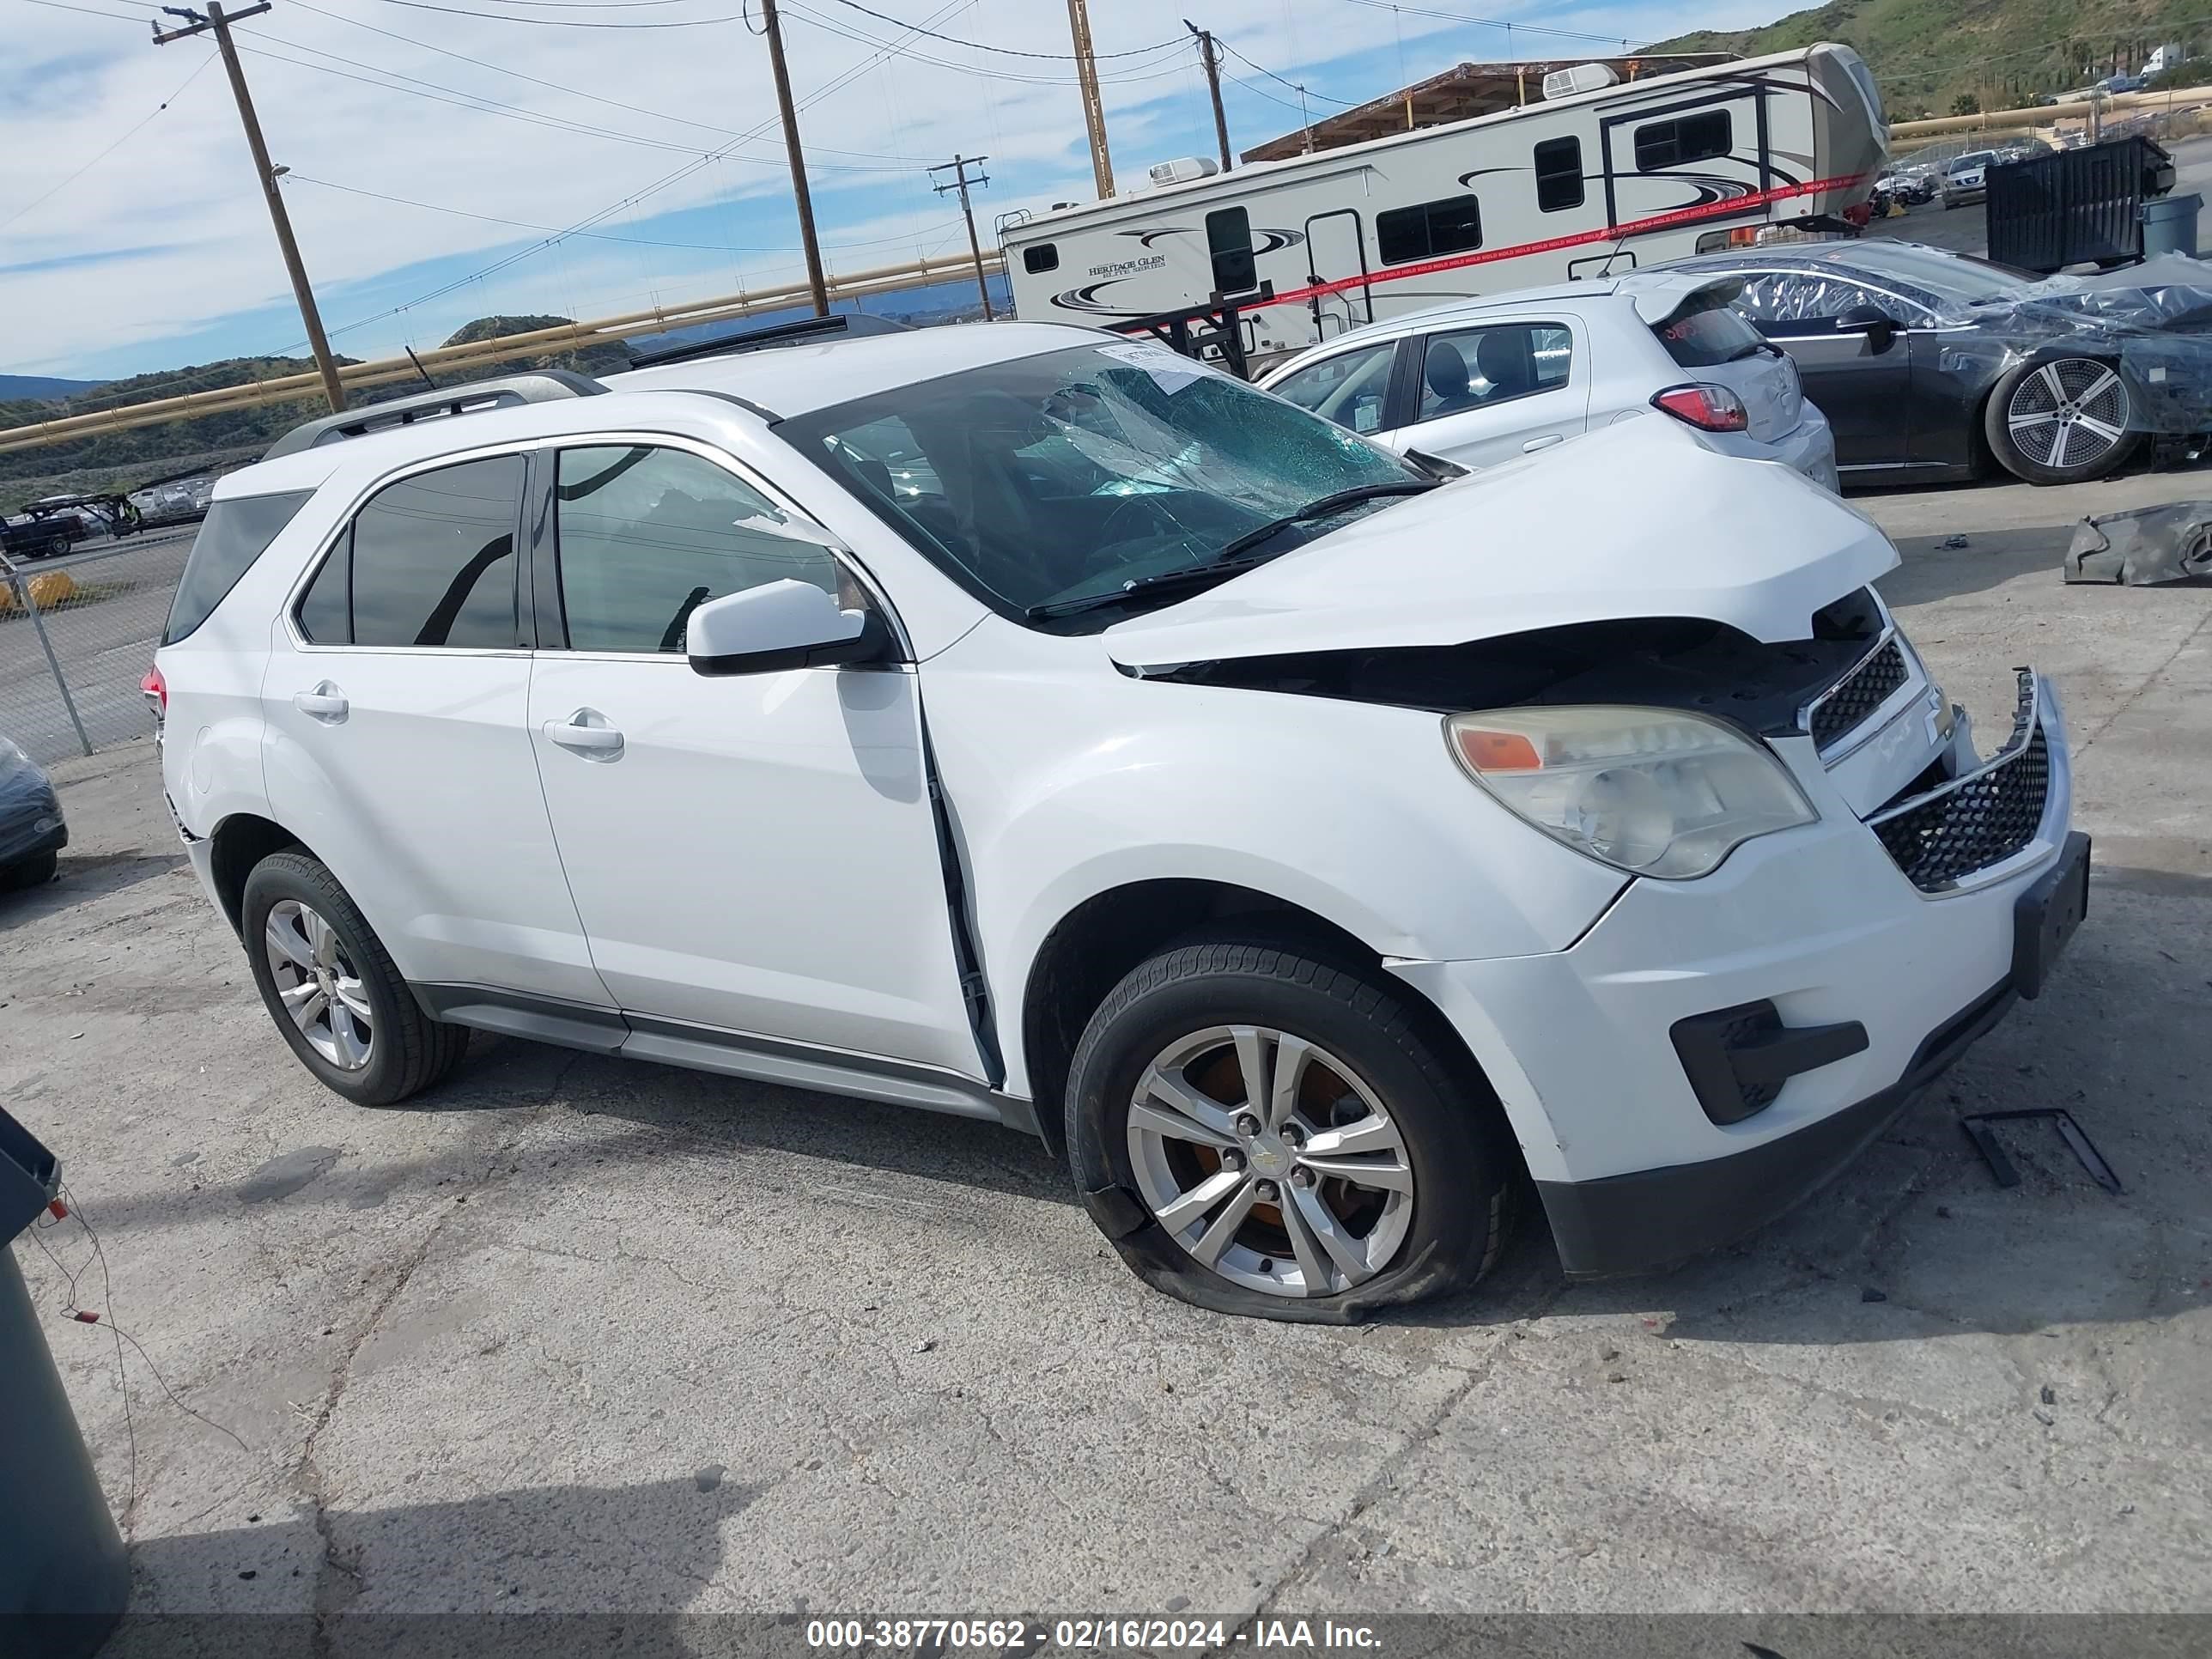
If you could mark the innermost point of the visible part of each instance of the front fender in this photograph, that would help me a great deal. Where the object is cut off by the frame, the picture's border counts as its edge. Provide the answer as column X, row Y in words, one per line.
column 1064, row 786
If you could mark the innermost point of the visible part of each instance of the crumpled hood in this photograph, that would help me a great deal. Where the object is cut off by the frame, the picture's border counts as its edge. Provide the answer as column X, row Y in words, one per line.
column 1638, row 520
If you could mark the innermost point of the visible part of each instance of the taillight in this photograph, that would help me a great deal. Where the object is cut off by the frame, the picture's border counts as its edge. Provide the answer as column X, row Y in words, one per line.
column 155, row 691
column 1708, row 408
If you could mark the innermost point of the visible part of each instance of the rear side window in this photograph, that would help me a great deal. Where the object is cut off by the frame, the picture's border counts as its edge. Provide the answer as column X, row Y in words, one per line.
column 1429, row 230
column 1044, row 257
column 235, row 533
column 430, row 561
column 1707, row 332
column 1229, row 240
column 1698, row 138
column 1559, row 174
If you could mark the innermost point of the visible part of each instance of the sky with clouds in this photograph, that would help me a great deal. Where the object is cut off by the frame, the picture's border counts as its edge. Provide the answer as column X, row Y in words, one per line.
column 437, row 148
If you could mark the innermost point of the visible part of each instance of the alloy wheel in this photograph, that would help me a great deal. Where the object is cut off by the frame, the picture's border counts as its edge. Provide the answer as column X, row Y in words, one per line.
column 317, row 984
column 2067, row 414
column 1270, row 1161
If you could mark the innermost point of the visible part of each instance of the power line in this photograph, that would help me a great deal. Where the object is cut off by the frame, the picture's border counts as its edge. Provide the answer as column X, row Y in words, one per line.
column 482, row 105
column 112, row 147
column 1294, row 85
column 560, row 22
column 556, row 86
column 980, row 46
column 833, row 26
column 59, row 5
column 834, row 83
column 944, row 228
column 1492, row 23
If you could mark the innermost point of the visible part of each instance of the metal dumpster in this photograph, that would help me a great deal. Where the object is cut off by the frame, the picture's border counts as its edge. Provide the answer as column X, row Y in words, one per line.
column 64, row 1578
column 2075, row 206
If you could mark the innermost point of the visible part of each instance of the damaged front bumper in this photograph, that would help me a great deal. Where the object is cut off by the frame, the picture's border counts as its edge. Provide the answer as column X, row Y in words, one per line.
column 2146, row 545
column 1866, row 954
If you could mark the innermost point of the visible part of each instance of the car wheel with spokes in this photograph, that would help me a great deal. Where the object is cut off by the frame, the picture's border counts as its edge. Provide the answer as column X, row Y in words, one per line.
column 333, row 990
column 2065, row 421
column 1265, row 1132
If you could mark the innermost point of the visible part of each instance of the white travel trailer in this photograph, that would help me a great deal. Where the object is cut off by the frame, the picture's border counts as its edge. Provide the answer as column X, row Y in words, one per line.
column 1602, row 178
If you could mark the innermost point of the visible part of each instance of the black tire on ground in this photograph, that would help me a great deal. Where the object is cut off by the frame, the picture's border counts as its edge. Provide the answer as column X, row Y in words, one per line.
column 1996, row 429
column 35, row 871
column 57, row 547
column 1466, row 1173
column 408, row 1051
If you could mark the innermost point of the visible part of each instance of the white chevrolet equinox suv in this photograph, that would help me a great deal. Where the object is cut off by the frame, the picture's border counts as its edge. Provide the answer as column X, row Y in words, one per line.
column 1317, row 851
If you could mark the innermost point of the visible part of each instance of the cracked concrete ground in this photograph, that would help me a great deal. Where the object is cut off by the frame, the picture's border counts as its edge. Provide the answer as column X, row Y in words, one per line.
column 579, row 1335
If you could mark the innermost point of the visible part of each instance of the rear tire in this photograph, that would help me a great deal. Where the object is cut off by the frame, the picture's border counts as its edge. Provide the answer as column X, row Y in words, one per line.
column 1410, row 1189
column 35, row 871
column 2054, row 422
column 333, row 990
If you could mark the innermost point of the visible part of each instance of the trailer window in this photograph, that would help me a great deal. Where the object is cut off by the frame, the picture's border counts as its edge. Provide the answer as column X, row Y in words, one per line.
column 1697, row 137
column 1433, row 228
column 1229, row 240
column 1044, row 257
column 1559, row 174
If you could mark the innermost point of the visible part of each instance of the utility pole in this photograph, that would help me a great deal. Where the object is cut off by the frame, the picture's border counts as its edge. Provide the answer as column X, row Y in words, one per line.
column 798, row 190
column 958, row 166
column 216, row 20
column 1094, row 109
column 1213, row 86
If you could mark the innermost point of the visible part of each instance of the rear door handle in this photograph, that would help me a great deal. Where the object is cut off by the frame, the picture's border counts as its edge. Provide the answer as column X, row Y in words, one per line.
column 325, row 703
column 1544, row 442
column 574, row 734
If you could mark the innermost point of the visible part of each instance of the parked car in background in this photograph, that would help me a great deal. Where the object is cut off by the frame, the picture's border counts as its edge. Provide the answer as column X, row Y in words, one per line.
column 1926, row 360
column 1481, row 381
column 33, row 831
column 1966, row 178
column 1314, row 854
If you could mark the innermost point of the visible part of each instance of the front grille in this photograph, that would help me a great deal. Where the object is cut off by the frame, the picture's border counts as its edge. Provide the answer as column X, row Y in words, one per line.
column 1983, row 819
column 1859, row 694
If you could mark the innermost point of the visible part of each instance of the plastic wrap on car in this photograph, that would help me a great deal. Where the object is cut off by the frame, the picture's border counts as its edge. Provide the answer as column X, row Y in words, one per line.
column 2155, row 318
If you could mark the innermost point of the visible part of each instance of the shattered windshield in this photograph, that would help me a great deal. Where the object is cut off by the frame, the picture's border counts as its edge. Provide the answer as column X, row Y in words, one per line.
column 1077, row 473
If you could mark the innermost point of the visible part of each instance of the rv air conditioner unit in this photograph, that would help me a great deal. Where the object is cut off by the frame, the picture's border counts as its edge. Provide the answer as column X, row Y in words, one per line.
column 1583, row 77
column 1183, row 172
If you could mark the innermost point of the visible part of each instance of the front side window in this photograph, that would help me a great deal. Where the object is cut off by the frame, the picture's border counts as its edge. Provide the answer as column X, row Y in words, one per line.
column 647, row 535
column 1687, row 139
column 1475, row 369
column 1793, row 301
column 234, row 534
column 1559, row 174
column 1348, row 388
column 430, row 561
column 1063, row 476
column 1229, row 241
column 1429, row 230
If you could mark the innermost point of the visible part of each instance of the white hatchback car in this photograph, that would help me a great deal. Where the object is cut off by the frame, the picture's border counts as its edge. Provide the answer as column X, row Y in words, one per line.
column 1480, row 381
column 1018, row 723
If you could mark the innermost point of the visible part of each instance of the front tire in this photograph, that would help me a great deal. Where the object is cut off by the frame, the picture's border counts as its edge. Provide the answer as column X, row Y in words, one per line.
column 2066, row 421
column 1260, row 1130
column 333, row 990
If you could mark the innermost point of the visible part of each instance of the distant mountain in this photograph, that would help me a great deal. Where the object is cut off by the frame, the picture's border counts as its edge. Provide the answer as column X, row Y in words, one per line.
column 43, row 385
column 1927, row 55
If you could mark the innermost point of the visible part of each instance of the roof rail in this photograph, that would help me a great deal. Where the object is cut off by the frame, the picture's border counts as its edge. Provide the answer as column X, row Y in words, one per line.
column 853, row 322
column 543, row 385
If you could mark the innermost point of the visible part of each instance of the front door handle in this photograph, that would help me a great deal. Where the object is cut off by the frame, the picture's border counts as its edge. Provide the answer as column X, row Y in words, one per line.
column 1544, row 442
column 324, row 702
column 577, row 733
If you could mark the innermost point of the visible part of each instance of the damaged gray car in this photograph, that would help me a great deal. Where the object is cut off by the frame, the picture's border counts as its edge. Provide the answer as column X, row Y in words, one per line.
column 1930, row 364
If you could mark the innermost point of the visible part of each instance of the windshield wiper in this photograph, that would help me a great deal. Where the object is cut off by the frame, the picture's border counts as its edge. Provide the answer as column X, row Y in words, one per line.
column 1219, row 569
column 1324, row 507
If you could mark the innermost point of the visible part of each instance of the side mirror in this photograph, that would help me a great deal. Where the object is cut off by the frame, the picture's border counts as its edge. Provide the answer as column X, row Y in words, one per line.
column 1877, row 325
column 776, row 626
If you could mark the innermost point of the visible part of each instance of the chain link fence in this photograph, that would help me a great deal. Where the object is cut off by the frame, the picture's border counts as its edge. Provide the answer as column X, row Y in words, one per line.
column 76, row 635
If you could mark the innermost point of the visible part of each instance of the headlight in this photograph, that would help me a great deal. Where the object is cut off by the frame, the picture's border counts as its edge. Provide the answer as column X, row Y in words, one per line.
column 1645, row 790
